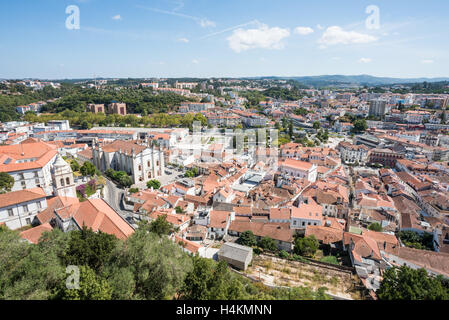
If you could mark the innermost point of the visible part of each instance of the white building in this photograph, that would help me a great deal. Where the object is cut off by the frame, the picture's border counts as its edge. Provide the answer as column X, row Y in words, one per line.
column 140, row 162
column 30, row 164
column 307, row 214
column 350, row 153
column 299, row 169
column 18, row 208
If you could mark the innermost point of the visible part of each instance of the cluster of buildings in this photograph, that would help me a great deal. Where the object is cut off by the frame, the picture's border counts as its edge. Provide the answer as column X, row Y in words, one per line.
column 395, row 175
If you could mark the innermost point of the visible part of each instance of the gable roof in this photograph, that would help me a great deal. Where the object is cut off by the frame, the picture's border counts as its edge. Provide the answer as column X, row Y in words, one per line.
column 97, row 215
column 21, row 196
column 33, row 235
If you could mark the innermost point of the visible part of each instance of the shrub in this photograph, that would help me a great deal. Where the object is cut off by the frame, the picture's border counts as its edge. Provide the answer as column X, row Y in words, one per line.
column 284, row 254
column 330, row 259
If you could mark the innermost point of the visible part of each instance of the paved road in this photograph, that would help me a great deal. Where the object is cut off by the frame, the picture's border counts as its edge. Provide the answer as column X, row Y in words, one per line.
column 113, row 196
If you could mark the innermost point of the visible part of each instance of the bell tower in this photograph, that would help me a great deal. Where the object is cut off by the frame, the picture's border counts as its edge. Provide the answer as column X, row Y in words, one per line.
column 63, row 181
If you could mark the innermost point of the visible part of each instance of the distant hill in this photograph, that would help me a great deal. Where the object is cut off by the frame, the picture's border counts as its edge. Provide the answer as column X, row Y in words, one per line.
column 357, row 80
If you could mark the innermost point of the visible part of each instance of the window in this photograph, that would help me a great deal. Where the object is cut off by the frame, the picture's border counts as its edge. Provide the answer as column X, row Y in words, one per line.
column 22, row 176
column 62, row 182
column 39, row 206
column 28, row 221
column 37, row 181
column 36, row 174
column 10, row 212
column 303, row 223
column 67, row 180
column 294, row 222
column 140, row 167
column 25, row 208
column 148, row 164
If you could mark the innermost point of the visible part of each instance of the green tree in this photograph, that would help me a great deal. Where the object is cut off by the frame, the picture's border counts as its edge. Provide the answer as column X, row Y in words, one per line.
column 75, row 166
column 86, row 125
column 157, row 266
column 408, row 284
column 6, row 182
column 375, row 227
column 179, row 210
column 88, row 169
column 316, row 125
column 306, row 246
column 247, row 238
column 268, row 243
column 86, row 247
column 290, row 129
column 28, row 272
column 207, row 281
column 155, row 184
column 360, row 126
column 161, row 226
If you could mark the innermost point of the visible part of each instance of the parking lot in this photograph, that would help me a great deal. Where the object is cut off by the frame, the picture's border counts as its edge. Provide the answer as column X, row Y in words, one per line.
column 175, row 174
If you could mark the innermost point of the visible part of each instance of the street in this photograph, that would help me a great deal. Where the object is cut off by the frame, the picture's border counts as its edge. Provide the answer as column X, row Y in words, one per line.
column 113, row 196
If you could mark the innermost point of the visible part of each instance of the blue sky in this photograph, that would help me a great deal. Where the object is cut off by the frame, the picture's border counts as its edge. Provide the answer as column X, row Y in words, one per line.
column 223, row 38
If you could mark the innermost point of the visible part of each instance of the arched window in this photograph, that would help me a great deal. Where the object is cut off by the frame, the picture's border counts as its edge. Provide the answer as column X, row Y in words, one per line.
column 67, row 180
column 62, row 182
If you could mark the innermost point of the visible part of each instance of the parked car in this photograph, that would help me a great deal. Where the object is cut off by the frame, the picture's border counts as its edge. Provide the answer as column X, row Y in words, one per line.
column 168, row 172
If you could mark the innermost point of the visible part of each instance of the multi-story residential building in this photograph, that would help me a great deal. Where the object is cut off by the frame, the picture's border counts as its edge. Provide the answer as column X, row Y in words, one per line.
column 385, row 157
column 417, row 117
column 429, row 139
column 140, row 162
column 307, row 214
column 185, row 85
column 117, row 108
column 18, row 208
column 96, row 108
column 351, row 154
column 299, row 169
column 195, row 107
column 378, row 108
column 30, row 164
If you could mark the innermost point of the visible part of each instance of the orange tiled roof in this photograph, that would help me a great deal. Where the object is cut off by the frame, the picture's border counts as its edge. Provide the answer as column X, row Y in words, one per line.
column 16, row 197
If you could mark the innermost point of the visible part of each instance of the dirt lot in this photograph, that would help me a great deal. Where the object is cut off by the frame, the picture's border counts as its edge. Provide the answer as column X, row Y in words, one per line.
column 279, row 272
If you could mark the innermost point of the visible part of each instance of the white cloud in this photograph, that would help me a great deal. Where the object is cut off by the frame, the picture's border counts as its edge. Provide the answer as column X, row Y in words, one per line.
column 117, row 17
column 365, row 60
column 206, row 23
column 303, row 30
column 336, row 35
column 262, row 37
column 185, row 40
column 195, row 61
column 319, row 26
column 427, row 61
